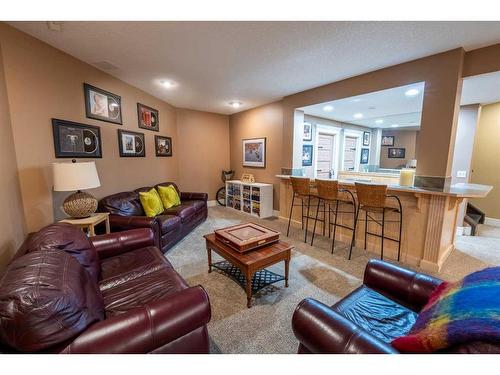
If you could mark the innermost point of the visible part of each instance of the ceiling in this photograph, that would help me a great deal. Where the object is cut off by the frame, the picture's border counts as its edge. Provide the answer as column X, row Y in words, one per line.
column 381, row 109
column 213, row 63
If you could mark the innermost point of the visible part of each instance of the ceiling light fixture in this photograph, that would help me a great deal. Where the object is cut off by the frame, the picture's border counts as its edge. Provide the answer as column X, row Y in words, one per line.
column 235, row 104
column 394, row 125
column 379, row 121
column 356, row 100
column 328, row 108
column 167, row 84
column 412, row 92
column 358, row 115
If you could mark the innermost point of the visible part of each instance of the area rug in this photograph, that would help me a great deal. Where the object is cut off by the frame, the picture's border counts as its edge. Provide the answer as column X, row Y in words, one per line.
column 314, row 272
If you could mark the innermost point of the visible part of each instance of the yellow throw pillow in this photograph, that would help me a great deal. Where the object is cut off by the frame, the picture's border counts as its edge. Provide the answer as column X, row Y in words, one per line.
column 151, row 202
column 169, row 196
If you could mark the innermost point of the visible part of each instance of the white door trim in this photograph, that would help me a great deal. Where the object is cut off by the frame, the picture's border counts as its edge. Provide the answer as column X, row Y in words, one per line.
column 329, row 130
column 359, row 136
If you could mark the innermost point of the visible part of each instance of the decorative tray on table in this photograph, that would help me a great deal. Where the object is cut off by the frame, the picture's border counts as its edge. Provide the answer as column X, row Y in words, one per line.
column 247, row 236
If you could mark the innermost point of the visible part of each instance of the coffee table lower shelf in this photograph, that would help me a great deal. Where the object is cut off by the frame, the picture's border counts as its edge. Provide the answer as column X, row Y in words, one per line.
column 260, row 279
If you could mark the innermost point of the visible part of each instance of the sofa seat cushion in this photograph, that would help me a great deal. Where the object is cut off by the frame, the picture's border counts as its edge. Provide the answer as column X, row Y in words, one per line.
column 198, row 205
column 184, row 211
column 377, row 314
column 169, row 223
column 137, row 292
column 136, row 260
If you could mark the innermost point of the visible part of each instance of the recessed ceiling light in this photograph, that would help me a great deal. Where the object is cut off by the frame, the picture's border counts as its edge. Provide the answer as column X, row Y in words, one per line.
column 328, row 108
column 356, row 100
column 167, row 84
column 412, row 92
column 235, row 104
column 358, row 115
column 394, row 125
column 379, row 121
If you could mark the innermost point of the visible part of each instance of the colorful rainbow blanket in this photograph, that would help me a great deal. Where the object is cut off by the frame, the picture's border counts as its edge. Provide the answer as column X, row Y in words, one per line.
column 457, row 313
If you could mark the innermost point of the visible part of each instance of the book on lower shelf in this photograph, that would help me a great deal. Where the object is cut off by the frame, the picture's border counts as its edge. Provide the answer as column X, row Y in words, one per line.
column 256, row 208
column 247, row 206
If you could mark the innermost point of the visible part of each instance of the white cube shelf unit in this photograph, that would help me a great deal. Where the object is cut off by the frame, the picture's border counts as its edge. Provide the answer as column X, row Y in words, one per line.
column 252, row 198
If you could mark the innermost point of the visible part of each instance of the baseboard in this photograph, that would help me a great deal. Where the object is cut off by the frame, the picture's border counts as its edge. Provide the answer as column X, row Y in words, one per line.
column 492, row 221
column 276, row 213
column 212, row 203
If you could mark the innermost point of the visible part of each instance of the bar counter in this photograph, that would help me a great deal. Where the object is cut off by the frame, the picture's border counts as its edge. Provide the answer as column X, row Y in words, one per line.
column 429, row 221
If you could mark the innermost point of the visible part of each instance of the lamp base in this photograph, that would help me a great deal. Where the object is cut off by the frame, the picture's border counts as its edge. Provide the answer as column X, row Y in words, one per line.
column 79, row 205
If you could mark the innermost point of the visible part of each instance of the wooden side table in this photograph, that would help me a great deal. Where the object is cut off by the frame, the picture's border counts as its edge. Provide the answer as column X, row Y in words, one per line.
column 90, row 222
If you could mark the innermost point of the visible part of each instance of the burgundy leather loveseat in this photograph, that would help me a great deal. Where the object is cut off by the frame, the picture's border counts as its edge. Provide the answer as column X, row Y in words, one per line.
column 115, row 293
column 369, row 318
column 170, row 227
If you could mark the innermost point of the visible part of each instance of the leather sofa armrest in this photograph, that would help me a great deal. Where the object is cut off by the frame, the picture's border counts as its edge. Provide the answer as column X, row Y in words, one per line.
column 109, row 245
column 120, row 223
column 148, row 327
column 405, row 286
column 188, row 196
column 322, row 330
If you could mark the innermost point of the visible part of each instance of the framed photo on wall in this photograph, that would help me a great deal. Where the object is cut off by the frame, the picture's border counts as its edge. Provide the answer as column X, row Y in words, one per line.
column 131, row 144
column 75, row 140
column 396, row 153
column 307, row 155
column 148, row 117
column 366, row 138
column 388, row 140
column 163, row 146
column 307, row 136
column 254, row 152
column 102, row 105
column 365, row 154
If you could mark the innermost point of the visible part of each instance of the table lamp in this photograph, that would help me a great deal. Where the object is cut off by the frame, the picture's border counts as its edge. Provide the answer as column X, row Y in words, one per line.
column 76, row 177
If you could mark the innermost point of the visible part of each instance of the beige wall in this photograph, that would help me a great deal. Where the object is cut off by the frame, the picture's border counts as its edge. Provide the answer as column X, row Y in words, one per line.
column 45, row 83
column 265, row 121
column 12, row 225
column 406, row 139
column 486, row 159
column 203, row 150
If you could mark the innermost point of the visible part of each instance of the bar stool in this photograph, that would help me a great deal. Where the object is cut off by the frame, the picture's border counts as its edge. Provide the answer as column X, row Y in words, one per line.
column 328, row 194
column 301, row 187
column 372, row 199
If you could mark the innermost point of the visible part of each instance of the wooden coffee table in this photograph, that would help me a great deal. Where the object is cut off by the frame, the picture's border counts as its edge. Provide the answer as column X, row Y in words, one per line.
column 248, row 269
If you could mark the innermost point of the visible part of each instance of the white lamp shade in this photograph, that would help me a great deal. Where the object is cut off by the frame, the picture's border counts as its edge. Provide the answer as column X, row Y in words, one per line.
column 75, row 176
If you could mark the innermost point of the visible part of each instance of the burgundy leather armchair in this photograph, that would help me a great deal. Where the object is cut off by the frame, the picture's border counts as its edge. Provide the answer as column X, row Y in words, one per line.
column 170, row 227
column 125, row 294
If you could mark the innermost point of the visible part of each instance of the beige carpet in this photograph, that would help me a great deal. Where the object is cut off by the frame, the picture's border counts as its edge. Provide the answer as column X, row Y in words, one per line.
column 485, row 245
column 314, row 272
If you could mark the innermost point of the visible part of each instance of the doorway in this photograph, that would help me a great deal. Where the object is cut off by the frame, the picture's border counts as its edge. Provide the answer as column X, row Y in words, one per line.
column 350, row 153
column 326, row 152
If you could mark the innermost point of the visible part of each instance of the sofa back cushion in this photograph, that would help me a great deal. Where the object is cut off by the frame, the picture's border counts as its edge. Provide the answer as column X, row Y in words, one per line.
column 70, row 239
column 46, row 298
column 124, row 204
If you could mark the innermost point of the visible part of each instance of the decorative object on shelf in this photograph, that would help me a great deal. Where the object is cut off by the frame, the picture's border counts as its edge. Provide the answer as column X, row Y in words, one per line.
column 307, row 132
column 102, row 105
column 407, row 177
column 365, row 153
column 148, row 117
column 77, row 177
column 254, row 152
column 366, row 138
column 247, row 177
column 163, row 146
column 131, row 144
column 388, row 140
column 412, row 164
column 74, row 140
column 307, row 155
column 396, row 153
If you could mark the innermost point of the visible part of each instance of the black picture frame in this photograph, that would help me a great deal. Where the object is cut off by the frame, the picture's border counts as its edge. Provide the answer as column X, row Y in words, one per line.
column 307, row 132
column 112, row 100
column 76, row 140
column 128, row 147
column 249, row 143
column 143, row 109
column 388, row 140
column 396, row 153
column 307, row 155
column 365, row 156
column 159, row 147
column 366, row 138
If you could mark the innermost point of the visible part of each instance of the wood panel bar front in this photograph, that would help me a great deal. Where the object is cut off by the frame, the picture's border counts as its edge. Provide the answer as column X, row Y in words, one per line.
column 429, row 222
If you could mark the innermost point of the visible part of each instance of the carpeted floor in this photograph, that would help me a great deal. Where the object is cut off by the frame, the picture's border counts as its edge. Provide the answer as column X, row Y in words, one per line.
column 484, row 246
column 314, row 272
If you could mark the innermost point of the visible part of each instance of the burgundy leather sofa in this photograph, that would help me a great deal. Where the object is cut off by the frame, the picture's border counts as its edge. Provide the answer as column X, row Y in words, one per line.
column 368, row 319
column 170, row 227
column 115, row 293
